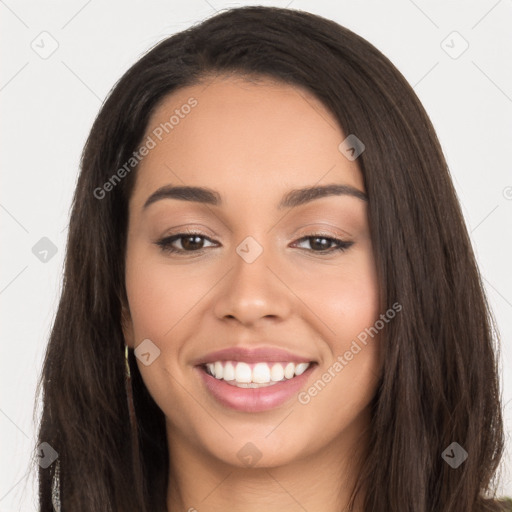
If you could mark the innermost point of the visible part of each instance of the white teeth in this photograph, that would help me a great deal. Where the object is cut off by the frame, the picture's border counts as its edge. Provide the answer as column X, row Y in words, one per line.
column 277, row 373
column 260, row 375
column 289, row 370
column 301, row 368
column 229, row 371
column 242, row 372
column 219, row 370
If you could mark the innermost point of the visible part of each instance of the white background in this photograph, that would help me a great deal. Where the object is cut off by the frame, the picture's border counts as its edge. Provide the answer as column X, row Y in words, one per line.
column 48, row 106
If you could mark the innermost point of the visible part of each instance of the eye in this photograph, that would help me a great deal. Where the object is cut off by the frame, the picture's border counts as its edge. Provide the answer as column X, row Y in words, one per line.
column 321, row 243
column 190, row 242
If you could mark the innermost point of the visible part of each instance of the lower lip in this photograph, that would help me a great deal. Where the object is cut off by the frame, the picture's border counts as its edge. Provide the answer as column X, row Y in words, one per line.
column 254, row 399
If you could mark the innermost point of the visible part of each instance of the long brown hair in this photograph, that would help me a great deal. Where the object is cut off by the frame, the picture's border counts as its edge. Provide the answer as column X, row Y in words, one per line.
column 439, row 383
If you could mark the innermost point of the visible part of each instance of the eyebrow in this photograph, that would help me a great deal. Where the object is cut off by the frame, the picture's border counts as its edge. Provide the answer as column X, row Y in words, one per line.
column 291, row 199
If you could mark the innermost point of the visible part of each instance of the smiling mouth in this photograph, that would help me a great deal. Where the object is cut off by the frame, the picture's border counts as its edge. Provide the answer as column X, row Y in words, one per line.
column 254, row 375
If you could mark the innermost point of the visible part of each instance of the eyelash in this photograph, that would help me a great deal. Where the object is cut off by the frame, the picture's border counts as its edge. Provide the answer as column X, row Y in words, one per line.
column 166, row 247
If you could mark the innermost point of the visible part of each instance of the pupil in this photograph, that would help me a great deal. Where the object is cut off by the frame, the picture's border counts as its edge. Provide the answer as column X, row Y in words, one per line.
column 193, row 245
column 321, row 246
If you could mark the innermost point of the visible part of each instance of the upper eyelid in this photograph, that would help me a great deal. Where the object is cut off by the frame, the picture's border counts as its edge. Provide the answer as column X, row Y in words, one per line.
column 305, row 231
column 299, row 236
column 325, row 227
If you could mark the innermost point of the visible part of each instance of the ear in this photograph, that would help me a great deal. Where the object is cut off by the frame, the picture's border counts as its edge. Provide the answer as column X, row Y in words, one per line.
column 127, row 326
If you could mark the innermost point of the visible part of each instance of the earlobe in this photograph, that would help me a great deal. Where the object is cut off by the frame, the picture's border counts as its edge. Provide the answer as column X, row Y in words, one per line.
column 127, row 326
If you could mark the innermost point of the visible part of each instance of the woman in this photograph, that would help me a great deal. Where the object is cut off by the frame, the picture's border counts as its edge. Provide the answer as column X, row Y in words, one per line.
column 265, row 226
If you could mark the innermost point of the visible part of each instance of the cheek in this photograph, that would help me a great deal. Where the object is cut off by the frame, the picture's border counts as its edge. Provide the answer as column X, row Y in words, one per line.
column 351, row 306
column 159, row 296
column 347, row 378
column 348, row 306
column 346, row 298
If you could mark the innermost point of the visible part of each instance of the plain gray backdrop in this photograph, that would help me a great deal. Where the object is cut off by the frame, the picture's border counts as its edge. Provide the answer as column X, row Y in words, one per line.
column 61, row 58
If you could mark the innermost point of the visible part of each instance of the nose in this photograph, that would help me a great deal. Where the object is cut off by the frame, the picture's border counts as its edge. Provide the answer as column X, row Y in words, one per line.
column 253, row 291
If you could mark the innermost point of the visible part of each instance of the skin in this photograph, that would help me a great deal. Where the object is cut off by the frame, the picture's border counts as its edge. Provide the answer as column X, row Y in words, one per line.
column 253, row 142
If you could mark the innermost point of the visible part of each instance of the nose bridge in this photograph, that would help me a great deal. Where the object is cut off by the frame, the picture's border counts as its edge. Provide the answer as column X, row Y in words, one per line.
column 252, row 290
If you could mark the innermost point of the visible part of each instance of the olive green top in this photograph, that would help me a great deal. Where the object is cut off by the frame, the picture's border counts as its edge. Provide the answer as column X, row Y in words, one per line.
column 507, row 503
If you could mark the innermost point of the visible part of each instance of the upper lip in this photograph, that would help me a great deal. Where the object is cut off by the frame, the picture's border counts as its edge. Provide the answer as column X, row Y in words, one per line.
column 252, row 355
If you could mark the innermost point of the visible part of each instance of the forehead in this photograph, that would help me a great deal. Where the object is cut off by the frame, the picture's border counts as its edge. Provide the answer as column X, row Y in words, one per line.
column 244, row 139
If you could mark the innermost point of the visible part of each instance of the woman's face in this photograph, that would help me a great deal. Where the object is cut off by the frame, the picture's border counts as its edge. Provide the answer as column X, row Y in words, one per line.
column 259, row 279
